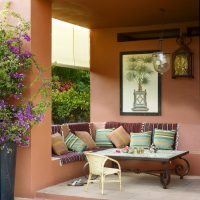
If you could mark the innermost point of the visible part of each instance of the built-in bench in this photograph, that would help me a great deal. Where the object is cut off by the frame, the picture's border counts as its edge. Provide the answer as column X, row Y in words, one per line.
column 70, row 156
column 91, row 128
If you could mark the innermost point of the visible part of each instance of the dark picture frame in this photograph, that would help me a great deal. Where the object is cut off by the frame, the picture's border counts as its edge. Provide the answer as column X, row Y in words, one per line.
column 140, row 84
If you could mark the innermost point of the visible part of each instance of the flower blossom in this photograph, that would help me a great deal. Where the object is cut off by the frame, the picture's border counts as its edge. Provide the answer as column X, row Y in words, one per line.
column 14, row 49
column 26, row 54
column 17, row 75
column 26, row 37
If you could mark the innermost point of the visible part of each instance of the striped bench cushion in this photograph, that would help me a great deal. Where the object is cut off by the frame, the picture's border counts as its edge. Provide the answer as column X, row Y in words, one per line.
column 70, row 157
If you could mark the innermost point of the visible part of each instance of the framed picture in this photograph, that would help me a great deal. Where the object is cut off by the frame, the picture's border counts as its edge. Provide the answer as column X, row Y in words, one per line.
column 140, row 84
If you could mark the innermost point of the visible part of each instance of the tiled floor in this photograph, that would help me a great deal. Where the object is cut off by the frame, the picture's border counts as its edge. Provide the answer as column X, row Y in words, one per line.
column 134, row 186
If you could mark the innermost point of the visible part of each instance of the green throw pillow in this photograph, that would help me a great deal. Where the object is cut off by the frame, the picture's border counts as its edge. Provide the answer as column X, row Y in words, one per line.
column 142, row 139
column 74, row 143
column 164, row 139
column 102, row 139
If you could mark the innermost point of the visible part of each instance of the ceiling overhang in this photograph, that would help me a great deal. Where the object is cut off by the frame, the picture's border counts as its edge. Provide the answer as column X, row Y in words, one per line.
column 117, row 13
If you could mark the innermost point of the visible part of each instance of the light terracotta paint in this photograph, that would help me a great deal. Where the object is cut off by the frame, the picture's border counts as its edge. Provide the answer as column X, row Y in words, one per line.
column 180, row 98
column 34, row 168
column 40, row 137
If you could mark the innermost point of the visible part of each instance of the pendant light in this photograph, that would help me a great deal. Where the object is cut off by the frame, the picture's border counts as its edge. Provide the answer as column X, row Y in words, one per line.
column 160, row 59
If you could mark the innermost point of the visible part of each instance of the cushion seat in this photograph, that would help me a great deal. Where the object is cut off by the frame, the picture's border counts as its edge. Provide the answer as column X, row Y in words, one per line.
column 70, row 157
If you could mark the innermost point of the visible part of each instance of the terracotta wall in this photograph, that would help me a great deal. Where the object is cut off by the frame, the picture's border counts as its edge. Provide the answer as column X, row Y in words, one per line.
column 32, row 162
column 180, row 99
column 34, row 168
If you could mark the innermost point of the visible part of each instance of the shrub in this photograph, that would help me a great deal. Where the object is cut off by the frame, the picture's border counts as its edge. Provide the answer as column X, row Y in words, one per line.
column 70, row 106
column 70, row 95
column 17, row 113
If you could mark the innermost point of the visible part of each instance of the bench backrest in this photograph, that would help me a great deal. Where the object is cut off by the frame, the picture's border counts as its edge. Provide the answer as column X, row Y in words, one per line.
column 142, row 127
column 163, row 126
column 129, row 127
column 57, row 128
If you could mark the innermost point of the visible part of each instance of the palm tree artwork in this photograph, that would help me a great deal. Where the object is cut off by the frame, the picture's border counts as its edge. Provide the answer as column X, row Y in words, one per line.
column 139, row 71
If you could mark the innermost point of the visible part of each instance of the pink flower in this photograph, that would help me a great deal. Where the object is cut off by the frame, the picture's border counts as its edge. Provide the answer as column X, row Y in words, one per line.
column 126, row 148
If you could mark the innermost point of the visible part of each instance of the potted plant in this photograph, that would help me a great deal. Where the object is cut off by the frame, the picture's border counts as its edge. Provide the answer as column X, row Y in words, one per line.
column 139, row 71
column 17, row 113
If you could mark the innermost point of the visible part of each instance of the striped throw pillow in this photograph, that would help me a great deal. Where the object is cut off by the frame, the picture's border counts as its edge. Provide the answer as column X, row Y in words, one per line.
column 164, row 139
column 141, row 139
column 102, row 139
column 74, row 143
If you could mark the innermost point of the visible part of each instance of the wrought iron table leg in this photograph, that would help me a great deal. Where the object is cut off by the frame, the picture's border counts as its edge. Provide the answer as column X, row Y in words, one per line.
column 165, row 175
column 182, row 169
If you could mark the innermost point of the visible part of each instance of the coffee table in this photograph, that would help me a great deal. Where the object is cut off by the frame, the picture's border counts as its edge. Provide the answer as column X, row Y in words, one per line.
column 163, row 156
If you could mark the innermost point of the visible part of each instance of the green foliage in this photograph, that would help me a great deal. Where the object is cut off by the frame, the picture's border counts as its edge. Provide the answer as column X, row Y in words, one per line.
column 70, row 106
column 18, row 113
column 71, row 75
column 70, row 95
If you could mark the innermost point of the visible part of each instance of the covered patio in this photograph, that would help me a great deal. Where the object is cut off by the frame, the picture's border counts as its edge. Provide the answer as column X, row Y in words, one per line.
column 133, row 187
column 180, row 97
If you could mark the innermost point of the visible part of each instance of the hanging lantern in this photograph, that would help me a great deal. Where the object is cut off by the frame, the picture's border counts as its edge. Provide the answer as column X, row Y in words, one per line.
column 160, row 62
column 182, row 59
column 160, row 59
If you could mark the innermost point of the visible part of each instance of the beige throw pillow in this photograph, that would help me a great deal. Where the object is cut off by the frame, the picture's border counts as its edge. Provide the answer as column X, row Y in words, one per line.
column 86, row 138
column 119, row 137
column 58, row 145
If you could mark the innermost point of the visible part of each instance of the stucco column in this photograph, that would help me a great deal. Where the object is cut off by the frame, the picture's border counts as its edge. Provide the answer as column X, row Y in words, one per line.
column 33, row 163
column 40, row 137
